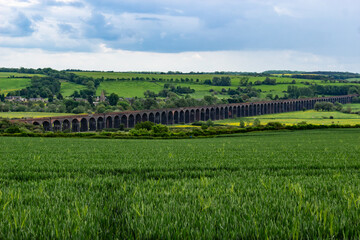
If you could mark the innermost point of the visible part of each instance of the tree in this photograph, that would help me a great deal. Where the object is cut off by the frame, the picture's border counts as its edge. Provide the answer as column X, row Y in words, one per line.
column 324, row 106
column 113, row 99
column 75, row 94
column 159, row 128
column 353, row 90
column 79, row 109
column 144, row 125
column 124, row 105
column 338, row 106
column 209, row 123
column 256, row 122
column 90, row 100
column 59, row 96
column 242, row 124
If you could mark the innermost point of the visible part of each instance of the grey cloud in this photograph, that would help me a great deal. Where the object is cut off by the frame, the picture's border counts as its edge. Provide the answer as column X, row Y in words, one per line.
column 97, row 27
column 18, row 27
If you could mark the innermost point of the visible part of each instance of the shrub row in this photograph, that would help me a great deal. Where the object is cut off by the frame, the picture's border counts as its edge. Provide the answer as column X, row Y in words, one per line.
column 161, row 131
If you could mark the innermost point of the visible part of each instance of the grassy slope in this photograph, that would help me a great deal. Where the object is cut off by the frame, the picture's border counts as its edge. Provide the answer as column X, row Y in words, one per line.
column 354, row 106
column 68, row 88
column 310, row 116
column 8, row 84
column 12, row 84
column 128, row 88
column 285, row 185
column 10, row 74
column 137, row 88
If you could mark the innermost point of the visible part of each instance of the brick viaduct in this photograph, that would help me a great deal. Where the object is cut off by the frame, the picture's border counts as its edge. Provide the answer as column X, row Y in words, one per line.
column 168, row 116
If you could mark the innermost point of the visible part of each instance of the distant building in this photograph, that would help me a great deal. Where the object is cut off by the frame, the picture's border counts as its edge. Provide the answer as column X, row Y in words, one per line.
column 15, row 99
column 102, row 96
column 37, row 99
column 80, row 100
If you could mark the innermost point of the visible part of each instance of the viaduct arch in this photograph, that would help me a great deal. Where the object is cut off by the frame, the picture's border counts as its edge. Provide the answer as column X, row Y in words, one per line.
column 169, row 116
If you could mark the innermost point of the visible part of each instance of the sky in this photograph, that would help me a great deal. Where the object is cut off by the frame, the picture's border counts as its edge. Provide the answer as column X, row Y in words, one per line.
column 181, row 35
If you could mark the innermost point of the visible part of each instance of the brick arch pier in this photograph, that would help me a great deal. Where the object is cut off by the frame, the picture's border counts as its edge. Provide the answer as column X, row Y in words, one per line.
column 169, row 116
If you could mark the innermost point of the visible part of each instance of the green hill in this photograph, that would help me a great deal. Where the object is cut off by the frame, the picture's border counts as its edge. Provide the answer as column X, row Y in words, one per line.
column 135, row 84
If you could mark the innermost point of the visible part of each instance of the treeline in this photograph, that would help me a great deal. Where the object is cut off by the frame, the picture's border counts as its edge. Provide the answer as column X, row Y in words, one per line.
column 177, row 72
column 45, row 87
column 219, row 81
column 315, row 90
column 337, row 75
column 216, row 81
column 168, row 89
column 317, row 75
column 151, row 130
column 49, row 86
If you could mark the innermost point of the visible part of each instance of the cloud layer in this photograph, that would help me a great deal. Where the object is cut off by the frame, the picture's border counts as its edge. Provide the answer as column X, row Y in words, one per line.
column 328, row 29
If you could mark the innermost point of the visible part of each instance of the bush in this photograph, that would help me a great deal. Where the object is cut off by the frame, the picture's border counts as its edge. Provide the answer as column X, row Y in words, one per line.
column 204, row 126
column 242, row 124
column 140, row 132
column 13, row 129
column 338, row 106
column 159, row 128
column 346, row 110
column 324, row 106
column 198, row 123
column 276, row 125
column 256, row 122
column 144, row 125
column 209, row 123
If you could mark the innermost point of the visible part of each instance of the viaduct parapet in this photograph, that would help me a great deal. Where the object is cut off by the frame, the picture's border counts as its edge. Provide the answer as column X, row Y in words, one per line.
column 169, row 116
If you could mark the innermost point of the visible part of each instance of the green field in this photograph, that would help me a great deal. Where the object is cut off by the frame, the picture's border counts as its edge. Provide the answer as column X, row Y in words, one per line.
column 129, row 88
column 13, row 84
column 202, row 77
column 8, row 83
column 310, row 116
column 10, row 74
column 68, row 88
column 354, row 106
column 277, row 185
column 31, row 114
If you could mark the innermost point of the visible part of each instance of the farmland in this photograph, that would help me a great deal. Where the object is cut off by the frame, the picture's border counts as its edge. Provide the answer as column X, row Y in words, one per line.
column 68, row 88
column 129, row 85
column 128, row 88
column 290, row 118
column 30, row 114
column 13, row 81
column 12, row 84
column 258, row 185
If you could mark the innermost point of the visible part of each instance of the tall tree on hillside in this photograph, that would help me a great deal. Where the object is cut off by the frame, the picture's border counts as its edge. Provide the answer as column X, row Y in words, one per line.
column 113, row 99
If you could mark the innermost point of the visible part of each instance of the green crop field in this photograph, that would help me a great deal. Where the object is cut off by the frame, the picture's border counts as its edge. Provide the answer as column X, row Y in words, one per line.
column 277, row 185
column 13, row 115
column 11, row 74
column 310, row 116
